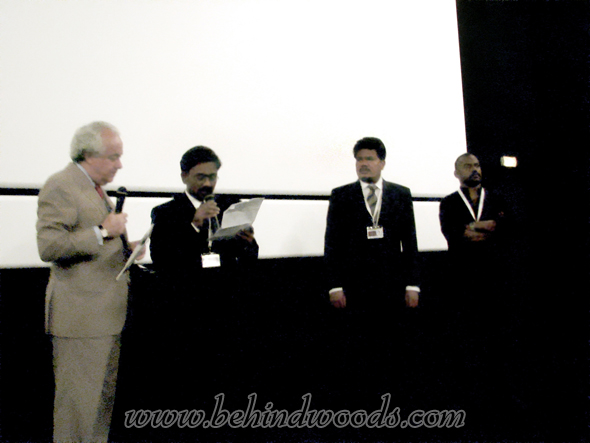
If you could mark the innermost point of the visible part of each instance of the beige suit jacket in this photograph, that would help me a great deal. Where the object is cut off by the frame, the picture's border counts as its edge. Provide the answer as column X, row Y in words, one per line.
column 83, row 299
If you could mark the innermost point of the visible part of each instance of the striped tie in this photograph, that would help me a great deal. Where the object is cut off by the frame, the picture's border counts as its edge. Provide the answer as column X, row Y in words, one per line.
column 372, row 198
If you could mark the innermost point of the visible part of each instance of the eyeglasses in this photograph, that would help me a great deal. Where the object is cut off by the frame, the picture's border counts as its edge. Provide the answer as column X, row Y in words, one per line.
column 203, row 177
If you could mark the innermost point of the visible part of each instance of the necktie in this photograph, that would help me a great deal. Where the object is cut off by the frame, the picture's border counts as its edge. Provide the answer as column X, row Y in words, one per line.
column 210, row 225
column 101, row 193
column 214, row 225
column 372, row 198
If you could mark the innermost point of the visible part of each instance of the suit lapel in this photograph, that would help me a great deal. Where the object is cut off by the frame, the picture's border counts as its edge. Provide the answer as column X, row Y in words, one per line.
column 185, row 206
column 87, row 190
column 388, row 202
column 359, row 202
column 186, row 209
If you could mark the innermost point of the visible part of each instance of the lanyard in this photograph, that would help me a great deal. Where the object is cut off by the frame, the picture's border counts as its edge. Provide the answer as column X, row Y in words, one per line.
column 210, row 234
column 479, row 209
column 378, row 205
column 377, row 213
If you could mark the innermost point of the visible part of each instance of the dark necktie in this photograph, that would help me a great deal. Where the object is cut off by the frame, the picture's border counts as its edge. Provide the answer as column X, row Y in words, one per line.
column 372, row 199
column 211, row 223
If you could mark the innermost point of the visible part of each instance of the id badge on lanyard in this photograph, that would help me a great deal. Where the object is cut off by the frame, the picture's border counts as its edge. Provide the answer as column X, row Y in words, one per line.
column 210, row 259
column 375, row 231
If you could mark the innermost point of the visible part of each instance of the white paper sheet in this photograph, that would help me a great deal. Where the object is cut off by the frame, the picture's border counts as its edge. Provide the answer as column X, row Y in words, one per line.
column 136, row 251
column 237, row 217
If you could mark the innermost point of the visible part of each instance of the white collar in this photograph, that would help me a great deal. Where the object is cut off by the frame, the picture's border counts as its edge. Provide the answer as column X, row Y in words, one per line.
column 378, row 184
column 196, row 203
column 86, row 174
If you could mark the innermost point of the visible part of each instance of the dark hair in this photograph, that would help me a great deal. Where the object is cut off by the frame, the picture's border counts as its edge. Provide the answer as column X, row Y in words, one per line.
column 197, row 155
column 371, row 143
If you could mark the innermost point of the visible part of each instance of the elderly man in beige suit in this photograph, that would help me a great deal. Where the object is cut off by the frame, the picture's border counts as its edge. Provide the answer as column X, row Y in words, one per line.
column 81, row 235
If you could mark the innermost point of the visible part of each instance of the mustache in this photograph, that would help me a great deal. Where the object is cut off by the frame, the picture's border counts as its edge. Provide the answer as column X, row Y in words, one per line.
column 206, row 190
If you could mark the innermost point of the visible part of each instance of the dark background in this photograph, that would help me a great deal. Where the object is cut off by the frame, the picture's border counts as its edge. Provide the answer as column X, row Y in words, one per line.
column 525, row 82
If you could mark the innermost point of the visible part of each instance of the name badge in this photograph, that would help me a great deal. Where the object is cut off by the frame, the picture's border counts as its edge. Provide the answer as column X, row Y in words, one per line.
column 211, row 260
column 374, row 232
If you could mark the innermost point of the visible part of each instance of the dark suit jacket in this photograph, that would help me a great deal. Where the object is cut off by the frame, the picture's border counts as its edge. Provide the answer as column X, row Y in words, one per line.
column 377, row 267
column 478, row 272
column 190, row 300
column 176, row 247
column 454, row 217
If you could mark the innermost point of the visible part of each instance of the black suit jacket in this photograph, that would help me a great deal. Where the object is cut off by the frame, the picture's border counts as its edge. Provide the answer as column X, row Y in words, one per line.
column 198, row 311
column 371, row 268
column 176, row 247
column 478, row 272
column 454, row 217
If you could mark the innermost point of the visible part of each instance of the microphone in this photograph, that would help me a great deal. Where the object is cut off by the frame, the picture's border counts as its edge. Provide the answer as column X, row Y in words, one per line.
column 121, row 193
column 214, row 222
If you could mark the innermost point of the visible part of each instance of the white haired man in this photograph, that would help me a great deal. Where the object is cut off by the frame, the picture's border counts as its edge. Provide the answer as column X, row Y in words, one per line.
column 81, row 236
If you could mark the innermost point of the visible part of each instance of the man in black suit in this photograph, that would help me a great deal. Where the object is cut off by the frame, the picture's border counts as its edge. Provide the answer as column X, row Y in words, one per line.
column 200, row 281
column 472, row 220
column 179, row 247
column 370, row 252
column 476, row 224
column 469, row 217
column 366, row 232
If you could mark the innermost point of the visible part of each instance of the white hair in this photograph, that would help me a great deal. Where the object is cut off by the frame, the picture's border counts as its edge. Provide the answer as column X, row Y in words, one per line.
column 87, row 141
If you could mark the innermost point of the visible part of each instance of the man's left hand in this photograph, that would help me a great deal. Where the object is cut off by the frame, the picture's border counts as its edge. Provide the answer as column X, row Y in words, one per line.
column 247, row 234
column 133, row 245
column 484, row 226
column 412, row 298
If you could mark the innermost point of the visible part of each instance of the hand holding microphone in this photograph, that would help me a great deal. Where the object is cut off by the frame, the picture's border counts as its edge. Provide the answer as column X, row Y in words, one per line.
column 115, row 224
column 116, row 221
column 121, row 193
column 207, row 210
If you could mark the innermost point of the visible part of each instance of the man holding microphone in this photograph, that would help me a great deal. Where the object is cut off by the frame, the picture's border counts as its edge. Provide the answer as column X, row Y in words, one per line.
column 200, row 283
column 82, row 236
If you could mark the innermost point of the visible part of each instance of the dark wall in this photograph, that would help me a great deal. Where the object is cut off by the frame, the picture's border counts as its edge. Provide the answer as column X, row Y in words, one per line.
column 525, row 73
column 26, row 373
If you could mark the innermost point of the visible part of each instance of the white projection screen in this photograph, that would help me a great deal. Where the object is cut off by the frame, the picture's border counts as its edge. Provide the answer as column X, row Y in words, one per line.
column 280, row 89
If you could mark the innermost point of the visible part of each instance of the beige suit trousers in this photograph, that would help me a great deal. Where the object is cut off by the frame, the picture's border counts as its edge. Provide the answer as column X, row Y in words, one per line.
column 85, row 378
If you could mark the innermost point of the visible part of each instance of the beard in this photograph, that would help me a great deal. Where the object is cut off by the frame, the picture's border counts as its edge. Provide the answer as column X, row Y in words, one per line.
column 473, row 180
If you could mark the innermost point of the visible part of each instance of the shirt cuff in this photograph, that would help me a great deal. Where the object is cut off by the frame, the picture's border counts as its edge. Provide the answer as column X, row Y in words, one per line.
column 408, row 288
column 98, row 235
